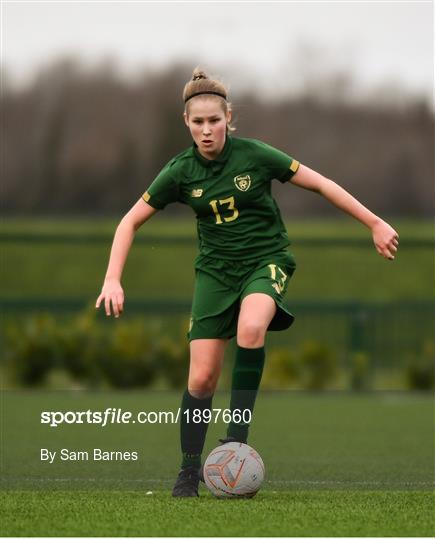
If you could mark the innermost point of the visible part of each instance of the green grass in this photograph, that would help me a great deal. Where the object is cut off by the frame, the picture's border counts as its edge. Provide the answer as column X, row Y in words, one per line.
column 160, row 273
column 337, row 464
column 290, row 513
column 327, row 273
column 334, row 439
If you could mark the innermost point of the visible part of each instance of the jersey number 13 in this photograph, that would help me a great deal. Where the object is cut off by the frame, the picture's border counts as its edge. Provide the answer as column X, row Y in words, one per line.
column 230, row 206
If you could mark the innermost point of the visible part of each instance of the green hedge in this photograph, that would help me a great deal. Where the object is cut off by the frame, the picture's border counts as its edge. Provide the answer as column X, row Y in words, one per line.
column 90, row 351
column 127, row 354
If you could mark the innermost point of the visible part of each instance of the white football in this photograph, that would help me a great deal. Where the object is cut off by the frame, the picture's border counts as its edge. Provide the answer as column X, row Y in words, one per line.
column 234, row 470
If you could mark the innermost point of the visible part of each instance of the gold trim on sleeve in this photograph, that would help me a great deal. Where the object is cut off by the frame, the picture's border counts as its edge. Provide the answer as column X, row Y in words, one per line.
column 294, row 165
column 146, row 196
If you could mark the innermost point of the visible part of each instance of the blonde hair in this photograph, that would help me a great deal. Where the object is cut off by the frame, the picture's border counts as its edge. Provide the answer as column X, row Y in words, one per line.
column 199, row 84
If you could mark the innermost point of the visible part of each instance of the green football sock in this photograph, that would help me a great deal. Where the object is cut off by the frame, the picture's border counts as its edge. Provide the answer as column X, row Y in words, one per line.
column 247, row 372
column 192, row 433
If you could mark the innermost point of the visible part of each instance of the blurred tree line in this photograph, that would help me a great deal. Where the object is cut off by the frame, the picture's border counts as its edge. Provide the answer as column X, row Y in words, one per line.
column 90, row 142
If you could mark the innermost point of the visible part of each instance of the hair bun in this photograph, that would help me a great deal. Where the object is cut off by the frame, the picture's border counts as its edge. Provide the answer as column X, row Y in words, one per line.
column 198, row 75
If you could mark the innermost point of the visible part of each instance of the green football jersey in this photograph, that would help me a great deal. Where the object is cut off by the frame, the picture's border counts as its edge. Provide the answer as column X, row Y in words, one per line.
column 237, row 216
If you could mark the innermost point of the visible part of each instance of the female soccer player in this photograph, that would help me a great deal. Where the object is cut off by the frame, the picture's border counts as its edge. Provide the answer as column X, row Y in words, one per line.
column 243, row 267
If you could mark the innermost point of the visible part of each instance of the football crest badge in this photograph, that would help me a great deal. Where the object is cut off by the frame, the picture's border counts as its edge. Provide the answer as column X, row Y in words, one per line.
column 243, row 182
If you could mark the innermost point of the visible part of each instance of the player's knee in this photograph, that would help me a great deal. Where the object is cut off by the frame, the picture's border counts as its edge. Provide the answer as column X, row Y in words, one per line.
column 251, row 334
column 202, row 385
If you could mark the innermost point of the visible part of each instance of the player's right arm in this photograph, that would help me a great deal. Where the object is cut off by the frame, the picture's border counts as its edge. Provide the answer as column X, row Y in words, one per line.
column 112, row 292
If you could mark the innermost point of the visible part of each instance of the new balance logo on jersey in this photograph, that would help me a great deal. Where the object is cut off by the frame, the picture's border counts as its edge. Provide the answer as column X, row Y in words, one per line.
column 197, row 192
column 243, row 182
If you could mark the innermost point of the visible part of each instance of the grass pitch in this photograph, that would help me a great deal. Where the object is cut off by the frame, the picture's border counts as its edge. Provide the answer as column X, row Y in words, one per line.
column 324, row 273
column 337, row 464
column 284, row 513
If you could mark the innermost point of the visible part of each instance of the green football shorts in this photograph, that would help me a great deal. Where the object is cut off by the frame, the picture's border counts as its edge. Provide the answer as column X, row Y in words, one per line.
column 221, row 286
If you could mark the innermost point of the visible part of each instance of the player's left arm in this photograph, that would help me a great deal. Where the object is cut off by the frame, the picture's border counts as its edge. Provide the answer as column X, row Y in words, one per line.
column 385, row 237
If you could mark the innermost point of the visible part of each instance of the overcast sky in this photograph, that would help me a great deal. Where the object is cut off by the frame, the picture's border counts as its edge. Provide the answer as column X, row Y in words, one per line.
column 268, row 44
